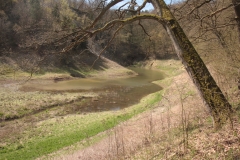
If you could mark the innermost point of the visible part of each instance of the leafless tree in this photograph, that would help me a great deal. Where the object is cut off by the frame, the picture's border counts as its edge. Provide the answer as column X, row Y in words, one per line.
column 218, row 105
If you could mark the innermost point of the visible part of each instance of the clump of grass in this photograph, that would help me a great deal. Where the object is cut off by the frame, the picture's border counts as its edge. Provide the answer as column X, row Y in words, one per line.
column 17, row 103
column 54, row 134
column 6, row 69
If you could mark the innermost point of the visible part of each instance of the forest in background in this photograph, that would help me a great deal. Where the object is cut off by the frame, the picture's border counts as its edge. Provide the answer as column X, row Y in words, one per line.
column 34, row 26
column 34, row 34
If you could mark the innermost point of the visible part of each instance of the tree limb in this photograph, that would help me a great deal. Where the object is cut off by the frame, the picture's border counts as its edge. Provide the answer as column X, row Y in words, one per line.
column 83, row 36
column 139, row 23
column 206, row 1
column 112, row 3
column 109, row 42
column 217, row 11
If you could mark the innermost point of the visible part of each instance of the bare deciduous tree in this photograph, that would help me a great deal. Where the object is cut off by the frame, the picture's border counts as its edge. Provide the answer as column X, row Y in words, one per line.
column 218, row 105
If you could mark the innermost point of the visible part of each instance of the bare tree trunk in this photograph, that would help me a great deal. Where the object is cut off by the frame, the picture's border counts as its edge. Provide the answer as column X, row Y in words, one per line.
column 218, row 105
column 236, row 4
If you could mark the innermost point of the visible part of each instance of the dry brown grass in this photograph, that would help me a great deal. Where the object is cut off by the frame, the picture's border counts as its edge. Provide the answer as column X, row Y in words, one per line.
column 178, row 128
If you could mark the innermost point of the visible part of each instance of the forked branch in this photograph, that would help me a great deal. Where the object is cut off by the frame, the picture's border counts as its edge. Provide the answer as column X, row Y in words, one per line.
column 83, row 36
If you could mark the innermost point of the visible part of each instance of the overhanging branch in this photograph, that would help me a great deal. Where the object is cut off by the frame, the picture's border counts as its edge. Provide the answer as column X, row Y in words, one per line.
column 111, row 4
column 83, row 36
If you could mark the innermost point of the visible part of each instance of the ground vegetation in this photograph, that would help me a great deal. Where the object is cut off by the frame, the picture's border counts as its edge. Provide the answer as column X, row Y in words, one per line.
column 50, row 41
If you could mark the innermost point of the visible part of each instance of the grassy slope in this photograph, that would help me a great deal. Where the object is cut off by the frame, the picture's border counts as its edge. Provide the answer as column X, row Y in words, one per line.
column 183, row 131
column 54, row 134
column 57, row 133
column 15, row 103
column 189, row 131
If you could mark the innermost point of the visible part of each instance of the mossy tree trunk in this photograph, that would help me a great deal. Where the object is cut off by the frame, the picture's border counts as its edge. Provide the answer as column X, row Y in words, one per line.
column 218, row 105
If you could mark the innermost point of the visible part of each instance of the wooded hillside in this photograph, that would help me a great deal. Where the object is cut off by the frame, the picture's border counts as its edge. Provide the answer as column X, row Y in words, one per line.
column 58, row 40
column 35, row 34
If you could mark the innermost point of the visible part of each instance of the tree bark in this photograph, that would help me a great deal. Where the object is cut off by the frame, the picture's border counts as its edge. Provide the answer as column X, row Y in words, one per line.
column 218, row 105
column 236, row 4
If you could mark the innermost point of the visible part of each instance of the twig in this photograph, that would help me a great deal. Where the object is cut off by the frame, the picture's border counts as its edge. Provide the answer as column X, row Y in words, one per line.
column 109, row 42
column 206, row 1
column 217, row 11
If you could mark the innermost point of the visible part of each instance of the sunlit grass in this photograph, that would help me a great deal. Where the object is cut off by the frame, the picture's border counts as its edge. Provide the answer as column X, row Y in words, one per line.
column 51, row 135
column 18, row 104
column 54, row 134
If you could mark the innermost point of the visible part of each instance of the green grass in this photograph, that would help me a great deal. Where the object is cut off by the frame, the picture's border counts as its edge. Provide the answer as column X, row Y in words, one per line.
column 170, row 67
column 18, row 104
column 40, row 146
column 54, row 134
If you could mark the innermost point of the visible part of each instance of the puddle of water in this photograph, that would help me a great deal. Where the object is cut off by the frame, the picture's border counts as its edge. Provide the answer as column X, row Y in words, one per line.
column 143, row 78
column 113, row 94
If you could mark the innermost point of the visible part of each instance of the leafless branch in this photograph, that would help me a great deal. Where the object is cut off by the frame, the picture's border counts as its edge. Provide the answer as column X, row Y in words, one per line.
column 112, row 3
column 101, row 4
column 109, row 42
column 181, row 7
column 217, row 11
column 204, row 31
column 139, row 23
column 83, row 36
column 120, row 12
column 205, row 2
